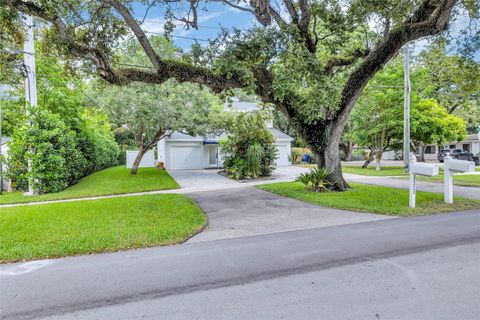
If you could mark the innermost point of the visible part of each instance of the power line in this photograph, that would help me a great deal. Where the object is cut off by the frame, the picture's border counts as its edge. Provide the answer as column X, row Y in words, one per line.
column 180, row 37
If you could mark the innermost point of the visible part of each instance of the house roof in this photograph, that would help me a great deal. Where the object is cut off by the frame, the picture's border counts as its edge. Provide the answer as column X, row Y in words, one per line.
column 178, row 136
column 279, row 135
column 241, row 106
column 473, row 137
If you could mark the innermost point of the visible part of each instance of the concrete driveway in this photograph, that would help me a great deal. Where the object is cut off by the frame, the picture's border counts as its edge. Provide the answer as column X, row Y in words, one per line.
column 250, row 211
column 210, row 178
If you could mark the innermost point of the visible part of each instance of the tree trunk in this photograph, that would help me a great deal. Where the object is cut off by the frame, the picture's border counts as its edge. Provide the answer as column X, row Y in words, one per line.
column 348, row 151
column 378, row 159
column 138, row 159
column 421, row 152
column 328, row 157
column 369, row 159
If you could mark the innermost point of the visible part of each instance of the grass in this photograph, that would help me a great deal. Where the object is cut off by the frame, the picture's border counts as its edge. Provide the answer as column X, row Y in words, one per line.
column 91, row 226
column 369, row 171
column 467, row 180
column 375, row 199
column 115, row 180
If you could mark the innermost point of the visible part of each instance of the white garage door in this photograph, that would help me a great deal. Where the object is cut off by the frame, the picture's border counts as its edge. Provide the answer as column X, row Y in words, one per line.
column 282, row 158
column 185, row 157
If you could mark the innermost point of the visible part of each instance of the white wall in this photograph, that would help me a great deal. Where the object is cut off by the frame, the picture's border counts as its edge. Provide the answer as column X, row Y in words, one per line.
column 285, row 148
column 148, row 160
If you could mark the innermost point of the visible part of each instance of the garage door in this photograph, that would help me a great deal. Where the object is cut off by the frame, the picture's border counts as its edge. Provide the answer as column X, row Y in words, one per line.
column 282, row 158
column 185, row 157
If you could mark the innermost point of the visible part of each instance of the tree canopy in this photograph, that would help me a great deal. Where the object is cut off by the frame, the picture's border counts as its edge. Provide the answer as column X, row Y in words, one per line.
column 311, row 59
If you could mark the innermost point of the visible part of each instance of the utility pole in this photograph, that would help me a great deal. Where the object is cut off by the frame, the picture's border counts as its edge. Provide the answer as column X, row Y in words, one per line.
column 406, row 112
column 30, row 81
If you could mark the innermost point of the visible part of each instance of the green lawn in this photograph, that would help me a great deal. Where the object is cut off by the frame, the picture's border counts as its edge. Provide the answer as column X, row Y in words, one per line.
column 471, row 180
column 369, row 171
column 90, row 226
column 369, row 198
column 115, row 180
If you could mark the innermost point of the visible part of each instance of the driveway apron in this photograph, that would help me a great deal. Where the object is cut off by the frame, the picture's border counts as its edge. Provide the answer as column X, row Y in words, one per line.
column 250, row 211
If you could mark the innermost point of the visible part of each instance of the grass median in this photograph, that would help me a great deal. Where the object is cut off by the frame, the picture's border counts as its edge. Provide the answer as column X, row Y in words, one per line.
column 374, row 199
column 91, row 226
column 111, row 181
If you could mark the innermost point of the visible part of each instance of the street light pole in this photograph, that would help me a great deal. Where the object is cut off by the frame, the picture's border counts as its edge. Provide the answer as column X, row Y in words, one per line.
column 406, row 112
column 30, row 81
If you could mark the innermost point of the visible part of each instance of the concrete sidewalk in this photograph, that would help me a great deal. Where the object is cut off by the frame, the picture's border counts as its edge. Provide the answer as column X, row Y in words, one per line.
column 466, row 192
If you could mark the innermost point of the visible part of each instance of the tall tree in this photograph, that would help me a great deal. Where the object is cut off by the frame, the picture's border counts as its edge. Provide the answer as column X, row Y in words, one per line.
column 377, row 120
column 152, row 112
column 310, row 58
column 452, row 80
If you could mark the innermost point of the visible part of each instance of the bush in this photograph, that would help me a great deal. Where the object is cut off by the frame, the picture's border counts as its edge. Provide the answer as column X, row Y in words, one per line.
column 249, row 151
column 56, row 161
column 59, row 156
column 96, row 141
column 296, row 156
column 315, row 180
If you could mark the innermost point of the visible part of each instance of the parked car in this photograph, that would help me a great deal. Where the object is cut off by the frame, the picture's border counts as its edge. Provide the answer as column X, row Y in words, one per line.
column 455, row 154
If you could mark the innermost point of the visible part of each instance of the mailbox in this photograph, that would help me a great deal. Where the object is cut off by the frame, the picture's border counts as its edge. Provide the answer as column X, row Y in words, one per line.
column 459, row 165
column 450, row 167
column 424, row 169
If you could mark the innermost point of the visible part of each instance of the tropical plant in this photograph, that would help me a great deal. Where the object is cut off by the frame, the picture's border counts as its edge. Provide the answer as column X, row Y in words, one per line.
column 316, row 180
column 296, row 156
column 249, row 150
column 254, row 159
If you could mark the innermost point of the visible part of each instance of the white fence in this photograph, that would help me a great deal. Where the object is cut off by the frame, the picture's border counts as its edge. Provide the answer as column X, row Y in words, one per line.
column 148, row 160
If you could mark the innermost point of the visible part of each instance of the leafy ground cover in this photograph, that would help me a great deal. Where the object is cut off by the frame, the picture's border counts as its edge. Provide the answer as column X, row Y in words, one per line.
column 92, row 226
column 115, row 180
column 370, row 198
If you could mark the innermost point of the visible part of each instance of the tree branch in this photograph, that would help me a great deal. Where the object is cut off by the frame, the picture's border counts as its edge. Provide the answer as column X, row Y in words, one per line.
column 135, row 27
column 430, row 18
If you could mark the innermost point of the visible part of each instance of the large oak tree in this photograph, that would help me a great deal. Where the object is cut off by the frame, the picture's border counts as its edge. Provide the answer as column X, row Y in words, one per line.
column 310, row 58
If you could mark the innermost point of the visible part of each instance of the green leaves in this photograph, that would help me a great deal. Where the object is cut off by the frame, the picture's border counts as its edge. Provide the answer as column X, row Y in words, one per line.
column 315, row 180
column 249, row 150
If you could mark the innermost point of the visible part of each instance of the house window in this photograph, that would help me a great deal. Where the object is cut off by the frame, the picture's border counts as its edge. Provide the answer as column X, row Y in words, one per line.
column 466, row 147
column 452, row 146
column 430, row 150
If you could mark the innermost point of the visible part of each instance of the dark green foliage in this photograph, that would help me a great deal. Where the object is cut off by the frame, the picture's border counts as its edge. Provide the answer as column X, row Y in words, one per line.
column 249, row 151
column 315, row 180
column 56, row 161
column 59, row 156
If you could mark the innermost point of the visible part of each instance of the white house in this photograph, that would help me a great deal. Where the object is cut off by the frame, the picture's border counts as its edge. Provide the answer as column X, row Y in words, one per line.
column 182, row 152
column 470, row 144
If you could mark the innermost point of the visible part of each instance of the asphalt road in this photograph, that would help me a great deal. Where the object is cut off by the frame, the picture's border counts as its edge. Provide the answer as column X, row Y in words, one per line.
column 414, row 268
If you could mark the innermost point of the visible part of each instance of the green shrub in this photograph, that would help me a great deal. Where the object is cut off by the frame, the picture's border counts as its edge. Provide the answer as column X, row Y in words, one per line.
column 56, row 161
column 315, row 180
column 249, row 151
column 59, row 156
column 296, row 156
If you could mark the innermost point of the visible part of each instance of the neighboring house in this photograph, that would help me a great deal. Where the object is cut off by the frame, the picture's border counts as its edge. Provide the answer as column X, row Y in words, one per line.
column 182, row 152
column 470, row 144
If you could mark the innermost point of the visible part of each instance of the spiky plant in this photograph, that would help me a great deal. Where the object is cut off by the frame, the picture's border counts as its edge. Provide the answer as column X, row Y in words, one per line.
column 315, row 180
column 254, row 159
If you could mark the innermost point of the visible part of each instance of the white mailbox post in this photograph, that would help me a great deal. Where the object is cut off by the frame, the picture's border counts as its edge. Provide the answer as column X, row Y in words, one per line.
column 450, row 167
column 422, row 169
